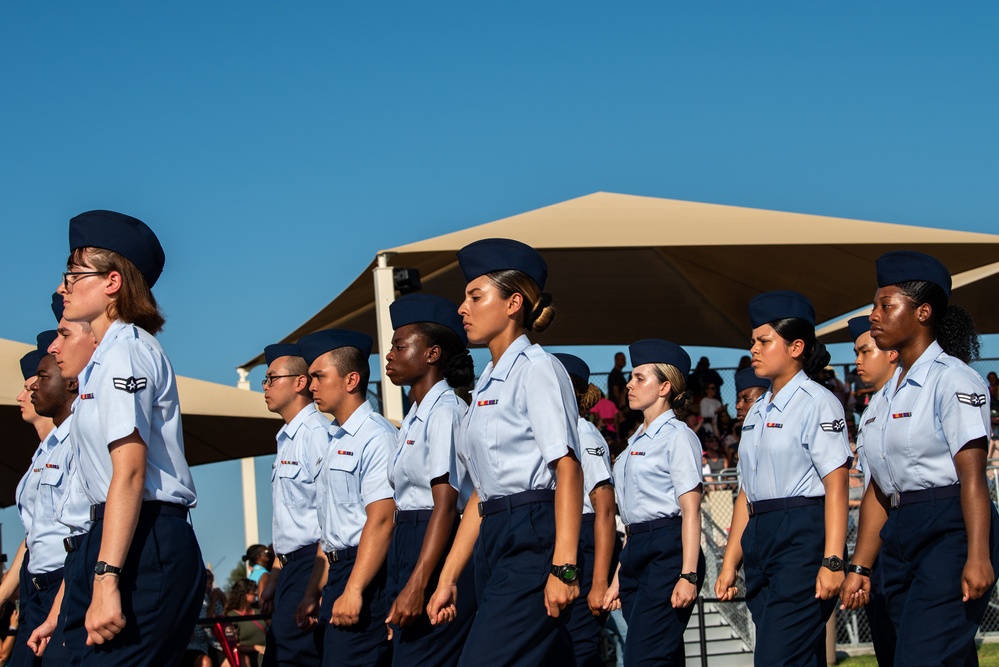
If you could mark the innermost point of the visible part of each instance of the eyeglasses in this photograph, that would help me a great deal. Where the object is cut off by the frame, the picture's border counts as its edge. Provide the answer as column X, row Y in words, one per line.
column 67, row 284
column 269, row 380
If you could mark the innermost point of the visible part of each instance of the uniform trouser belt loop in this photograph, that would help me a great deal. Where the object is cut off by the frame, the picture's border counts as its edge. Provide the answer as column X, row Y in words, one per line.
column 73, row 542
column 149, row 508
column 648, row 526
column 340, row 555
column 507, row 503
column 307, row 550
column 412, row 516
column 924, row 495
column 589, row 518
column 794, row 502
column 46, row 579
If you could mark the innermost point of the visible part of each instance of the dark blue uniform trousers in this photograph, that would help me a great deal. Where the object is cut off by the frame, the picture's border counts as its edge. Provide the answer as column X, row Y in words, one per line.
column 421, row 643
column 35, row 604
column 74, row 642
column 925, row 547
column 882, row 629
column 782, row 554
column 651, row 564
column 513, row 559
column 366, row 643
column 583, row 626
column 162, row 586
column 287, row 644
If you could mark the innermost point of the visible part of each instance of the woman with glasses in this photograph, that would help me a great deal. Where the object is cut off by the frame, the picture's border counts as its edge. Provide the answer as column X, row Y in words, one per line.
column 137, row 590
column 429, row 355
column 789, row 519
column 259, row 559
column 927, row 515
column 519, row 439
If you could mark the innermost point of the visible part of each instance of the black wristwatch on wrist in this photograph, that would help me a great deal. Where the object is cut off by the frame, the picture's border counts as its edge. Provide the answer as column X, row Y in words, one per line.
column 567, row 573
column 834, row 563
column 859, row 569
column 104, row 568
column 689, row 576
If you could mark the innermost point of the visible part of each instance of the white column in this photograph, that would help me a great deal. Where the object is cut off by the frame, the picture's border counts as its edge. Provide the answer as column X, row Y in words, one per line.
column 384, row 296
column 249, row 477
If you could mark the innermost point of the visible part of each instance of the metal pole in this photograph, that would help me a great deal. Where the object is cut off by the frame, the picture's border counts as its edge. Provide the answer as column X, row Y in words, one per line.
column 384, row 278
column 702, row 635
column 249, row 479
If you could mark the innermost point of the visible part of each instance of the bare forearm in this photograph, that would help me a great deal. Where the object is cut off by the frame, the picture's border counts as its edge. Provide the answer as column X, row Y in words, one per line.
column 836, row 485
column 873, row 514
column 12, row 579
column 690, row 529
column 374, row 544
column 604, row 533
column 740, row 519
column 464, row 542
column 975, row 502
column 124, row 500
column 568, row 509
column 437, row 536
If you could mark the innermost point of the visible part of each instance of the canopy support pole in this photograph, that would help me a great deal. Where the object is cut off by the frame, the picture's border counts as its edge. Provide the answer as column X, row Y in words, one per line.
column 384, row 278
column 249, row 478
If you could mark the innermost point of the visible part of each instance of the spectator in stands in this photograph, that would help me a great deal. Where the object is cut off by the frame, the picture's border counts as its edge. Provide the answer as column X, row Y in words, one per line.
column 745, row 361
column 258, row 559
column 203, row 649
column 243, row 601
column 702, row 376
column 709, row 407
column 993, row 381
column 616, row 382
column 715, row 458
column 609, row 416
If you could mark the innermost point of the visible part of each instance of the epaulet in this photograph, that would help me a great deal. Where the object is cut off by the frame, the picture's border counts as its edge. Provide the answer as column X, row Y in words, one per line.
column 535, row 353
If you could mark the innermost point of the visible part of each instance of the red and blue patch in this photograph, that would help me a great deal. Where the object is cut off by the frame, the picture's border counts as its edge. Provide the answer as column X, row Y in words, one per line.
column 344, row 452
column 774, row 425
column 492, row 401
column 901, row 415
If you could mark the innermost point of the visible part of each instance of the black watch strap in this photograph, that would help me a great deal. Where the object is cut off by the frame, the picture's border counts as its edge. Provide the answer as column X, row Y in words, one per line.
column 689, row 576
column 104, row 568
column 859, row 569
column 834, row 563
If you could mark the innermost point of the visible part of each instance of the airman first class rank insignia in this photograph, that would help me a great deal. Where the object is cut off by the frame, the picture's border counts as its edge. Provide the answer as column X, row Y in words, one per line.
column 975, row 400
column 833, row 426
column 596, row 451
column 132, row 385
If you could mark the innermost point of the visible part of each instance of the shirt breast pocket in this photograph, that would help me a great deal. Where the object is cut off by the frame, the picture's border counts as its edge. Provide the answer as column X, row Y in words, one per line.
column 292, row 480
column 48, row 491
column 344, row 485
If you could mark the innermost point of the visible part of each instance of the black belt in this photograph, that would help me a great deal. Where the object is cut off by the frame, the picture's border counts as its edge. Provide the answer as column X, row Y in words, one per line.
column 149, row 508
column 507, row 503
column 46, row 579
column 924, row 495
column 309, row 549
column 340, row 555
column 648, row 526
column 764, row 506
column 589, row 518
column 73, row 542
column 412, row 516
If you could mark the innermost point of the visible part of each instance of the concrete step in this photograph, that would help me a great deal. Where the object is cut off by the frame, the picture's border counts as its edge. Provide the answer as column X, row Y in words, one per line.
column 723, row 660
column 711, row 632
column 710, row 619
column 715, row 647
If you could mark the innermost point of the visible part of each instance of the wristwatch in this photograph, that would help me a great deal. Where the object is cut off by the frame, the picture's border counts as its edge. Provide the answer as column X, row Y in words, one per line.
column 568, row 573
column 834, row 563
column 690, row 576
column 104, row 568
column 859, row 569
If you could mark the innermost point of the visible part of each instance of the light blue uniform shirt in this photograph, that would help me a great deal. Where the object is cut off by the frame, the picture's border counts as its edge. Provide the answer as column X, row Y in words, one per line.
column 301, row 446
column 594, row 457
column 426, row 450
column 27, row 488
column 74, row 511
column 353, row 475
column 129, row 385
column 660, row 465
column 872, row 417
column 940, row 406
column 791, row 441
column 522, row 420
column 44, row 540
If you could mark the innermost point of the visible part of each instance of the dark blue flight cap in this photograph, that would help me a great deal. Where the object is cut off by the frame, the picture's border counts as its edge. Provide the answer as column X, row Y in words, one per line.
column 858, row 326
column 574, row 365
column 901, row 266
column 746, row 378
column 29, row 363
column 656, row 351
column 57, row 306
column 120, row 233
column 413, row 308
column 278, row 350
column 488, row 255
column 319, row 343
column 782, row 304
column 44, row 339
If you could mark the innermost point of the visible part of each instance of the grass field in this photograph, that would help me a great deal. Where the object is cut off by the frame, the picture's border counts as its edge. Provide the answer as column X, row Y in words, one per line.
column 988, row 656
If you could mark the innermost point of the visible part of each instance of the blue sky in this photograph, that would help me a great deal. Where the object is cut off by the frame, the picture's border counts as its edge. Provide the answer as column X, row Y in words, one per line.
column 275, row 147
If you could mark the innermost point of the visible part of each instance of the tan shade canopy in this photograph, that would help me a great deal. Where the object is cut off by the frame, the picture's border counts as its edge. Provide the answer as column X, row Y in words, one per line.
column 624, row 267
column 220, row 422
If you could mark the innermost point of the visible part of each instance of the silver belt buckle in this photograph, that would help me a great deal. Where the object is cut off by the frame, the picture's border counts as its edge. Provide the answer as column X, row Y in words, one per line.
column 749, row 506
column 480, row 509
column 283, row 558
column 896, row 500
column 34, row 580
column 395, row 516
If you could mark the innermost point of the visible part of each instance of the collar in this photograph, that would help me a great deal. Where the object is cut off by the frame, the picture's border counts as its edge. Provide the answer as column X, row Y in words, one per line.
column 509, row 357
column 58, row 434
column 917, row 374
column 353, row 423
column 102, row 349
column 783, row 396
column 290, row 429
column 434, row 395
column 657, row 424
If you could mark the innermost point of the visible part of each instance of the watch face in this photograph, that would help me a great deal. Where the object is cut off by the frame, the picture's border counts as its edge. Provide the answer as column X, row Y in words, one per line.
column 569, row 573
